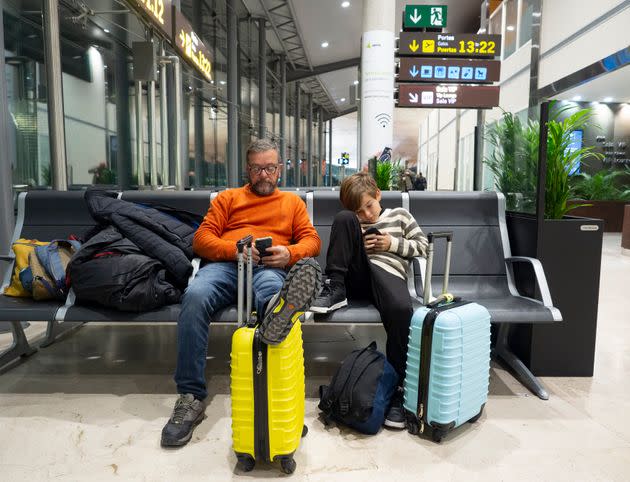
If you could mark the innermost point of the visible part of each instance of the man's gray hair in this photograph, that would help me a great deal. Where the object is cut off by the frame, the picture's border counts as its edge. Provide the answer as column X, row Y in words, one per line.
column 262, row 145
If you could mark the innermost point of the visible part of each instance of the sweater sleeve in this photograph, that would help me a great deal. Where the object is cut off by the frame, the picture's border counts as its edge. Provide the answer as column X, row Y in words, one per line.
column 413, row 242
column 306, row 240
column 207, row 242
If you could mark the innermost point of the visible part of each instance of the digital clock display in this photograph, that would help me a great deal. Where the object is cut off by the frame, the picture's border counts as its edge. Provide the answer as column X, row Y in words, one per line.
column 190, row 46
column 159, row 12
column 449, row 45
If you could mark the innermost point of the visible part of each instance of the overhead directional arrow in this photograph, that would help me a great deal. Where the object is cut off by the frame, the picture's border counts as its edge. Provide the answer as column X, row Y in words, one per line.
column 413, row 46
column 414, row 71
column 413, row 97
column 415, row 18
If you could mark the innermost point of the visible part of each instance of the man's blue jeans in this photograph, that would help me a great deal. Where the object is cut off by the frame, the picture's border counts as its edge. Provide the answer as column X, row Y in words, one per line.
column 213, row 288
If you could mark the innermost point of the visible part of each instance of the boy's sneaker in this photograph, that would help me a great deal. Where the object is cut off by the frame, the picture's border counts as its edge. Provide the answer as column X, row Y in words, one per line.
column 395, row 417
column 295, row 297
column 332, row 297
column 187, row 414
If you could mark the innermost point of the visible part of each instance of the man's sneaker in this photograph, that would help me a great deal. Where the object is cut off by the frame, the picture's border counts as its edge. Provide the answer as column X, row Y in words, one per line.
column 332, row 297
column 187, row 414
column 296, row 295
column 395, row 417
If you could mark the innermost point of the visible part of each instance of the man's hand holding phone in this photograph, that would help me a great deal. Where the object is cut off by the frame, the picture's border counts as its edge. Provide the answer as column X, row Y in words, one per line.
column 272, row 256
column 374, row 241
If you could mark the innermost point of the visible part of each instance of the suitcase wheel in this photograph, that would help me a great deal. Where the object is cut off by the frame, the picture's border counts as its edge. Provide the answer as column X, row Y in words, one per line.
column 304, row 431
column 246, row 461
column 478, row 416
column 437, row 435
column 288, row 465
column 412, row 427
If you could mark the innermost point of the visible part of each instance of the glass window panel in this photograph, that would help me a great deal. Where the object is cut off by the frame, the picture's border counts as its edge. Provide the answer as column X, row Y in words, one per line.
column 509, row 43
column 525, row 32
column 26, row 86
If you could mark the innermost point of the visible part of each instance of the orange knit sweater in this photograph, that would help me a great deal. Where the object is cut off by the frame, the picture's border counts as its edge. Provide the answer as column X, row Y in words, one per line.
column 235, row 213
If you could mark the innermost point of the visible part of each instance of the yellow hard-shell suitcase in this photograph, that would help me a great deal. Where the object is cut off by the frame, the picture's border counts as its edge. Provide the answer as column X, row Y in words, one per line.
column 267, row 388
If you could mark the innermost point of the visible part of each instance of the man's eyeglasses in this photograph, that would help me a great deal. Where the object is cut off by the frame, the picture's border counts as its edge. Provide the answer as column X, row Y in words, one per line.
column 268, row 169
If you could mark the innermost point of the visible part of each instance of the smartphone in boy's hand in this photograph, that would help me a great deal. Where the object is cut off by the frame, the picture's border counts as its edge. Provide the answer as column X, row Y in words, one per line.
column 371, row 230
column 262, row 244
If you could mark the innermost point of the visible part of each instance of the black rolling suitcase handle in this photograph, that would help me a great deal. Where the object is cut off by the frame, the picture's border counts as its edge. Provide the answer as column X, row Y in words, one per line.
column 244, row 250
column 427, row 293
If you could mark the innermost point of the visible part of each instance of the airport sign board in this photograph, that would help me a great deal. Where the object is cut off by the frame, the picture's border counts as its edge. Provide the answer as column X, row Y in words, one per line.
column 190, row 46
column 158, row 12
column 433, row 44
column 448, row 96
column 414, row 69
column 424, row 16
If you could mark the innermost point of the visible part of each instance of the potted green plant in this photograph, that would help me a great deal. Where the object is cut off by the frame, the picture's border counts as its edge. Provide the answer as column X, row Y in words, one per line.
column 569, row 248
column 561, row 160
column 605, row 199
column 513, row 161
column 387, row 173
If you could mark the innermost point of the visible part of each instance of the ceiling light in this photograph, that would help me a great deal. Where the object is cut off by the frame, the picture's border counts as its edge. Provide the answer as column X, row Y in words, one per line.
column 536, row 14
column 324, row 45
column 356, row 82
column 608, row 99
column 577, row 97
column 106, row 30
column 510, row 28
column 343, row 99
column 222, row 82
column 345, row 4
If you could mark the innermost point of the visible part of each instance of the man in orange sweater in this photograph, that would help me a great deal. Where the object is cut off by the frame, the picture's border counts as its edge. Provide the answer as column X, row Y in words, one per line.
column 261, row 210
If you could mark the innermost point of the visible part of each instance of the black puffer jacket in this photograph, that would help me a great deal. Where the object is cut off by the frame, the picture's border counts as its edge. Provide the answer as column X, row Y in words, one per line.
column 159, row 235
column 112, row 271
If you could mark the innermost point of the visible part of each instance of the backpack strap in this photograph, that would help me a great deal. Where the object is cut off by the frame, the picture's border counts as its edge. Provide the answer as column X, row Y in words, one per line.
column 360, row 366
column 358, row 373
column 345, row 376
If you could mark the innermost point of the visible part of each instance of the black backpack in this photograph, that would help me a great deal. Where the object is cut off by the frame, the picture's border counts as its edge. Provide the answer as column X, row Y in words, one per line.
column 360, row 392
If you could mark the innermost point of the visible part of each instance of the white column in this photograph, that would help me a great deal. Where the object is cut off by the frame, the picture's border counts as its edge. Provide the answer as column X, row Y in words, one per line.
column 377, row 78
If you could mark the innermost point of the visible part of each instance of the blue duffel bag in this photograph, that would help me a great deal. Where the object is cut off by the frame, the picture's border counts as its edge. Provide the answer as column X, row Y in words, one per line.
column 360, row 392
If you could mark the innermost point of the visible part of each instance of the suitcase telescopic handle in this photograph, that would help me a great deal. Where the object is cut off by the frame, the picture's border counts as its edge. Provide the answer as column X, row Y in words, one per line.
column 244, row 252
column 429, row 271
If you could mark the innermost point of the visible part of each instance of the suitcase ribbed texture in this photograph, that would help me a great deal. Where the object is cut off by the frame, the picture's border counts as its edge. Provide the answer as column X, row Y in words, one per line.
column 285, row 392
column 460, row 360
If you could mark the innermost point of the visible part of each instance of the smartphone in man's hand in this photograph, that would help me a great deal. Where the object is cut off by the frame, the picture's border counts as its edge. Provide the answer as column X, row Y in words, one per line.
column 262, row 244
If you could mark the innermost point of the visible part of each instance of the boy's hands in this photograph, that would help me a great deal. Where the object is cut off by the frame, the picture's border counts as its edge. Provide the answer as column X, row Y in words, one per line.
column 279, row 257
column 376, row 243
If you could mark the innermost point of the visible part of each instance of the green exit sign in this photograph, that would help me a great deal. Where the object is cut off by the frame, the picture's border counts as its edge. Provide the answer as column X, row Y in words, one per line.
column 424, row 16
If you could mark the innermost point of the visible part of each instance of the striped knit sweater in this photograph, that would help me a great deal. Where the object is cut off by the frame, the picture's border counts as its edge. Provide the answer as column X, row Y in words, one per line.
column 408, row 241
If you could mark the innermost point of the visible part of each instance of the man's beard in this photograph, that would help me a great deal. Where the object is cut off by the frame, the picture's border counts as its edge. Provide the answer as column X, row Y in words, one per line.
column 264, row 187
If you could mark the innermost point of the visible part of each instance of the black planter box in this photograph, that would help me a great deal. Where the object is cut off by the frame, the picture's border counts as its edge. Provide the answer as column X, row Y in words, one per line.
column 570, row 252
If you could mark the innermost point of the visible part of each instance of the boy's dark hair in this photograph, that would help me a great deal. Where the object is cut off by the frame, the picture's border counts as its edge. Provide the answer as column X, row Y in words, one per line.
column 353, row 188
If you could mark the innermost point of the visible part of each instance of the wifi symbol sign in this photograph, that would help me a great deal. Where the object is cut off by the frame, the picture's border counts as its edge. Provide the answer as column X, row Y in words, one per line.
column 383, row 119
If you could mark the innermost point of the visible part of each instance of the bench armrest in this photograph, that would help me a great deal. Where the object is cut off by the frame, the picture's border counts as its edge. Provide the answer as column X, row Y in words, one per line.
column 539, row 272
column 196, row 263
column 417, row 265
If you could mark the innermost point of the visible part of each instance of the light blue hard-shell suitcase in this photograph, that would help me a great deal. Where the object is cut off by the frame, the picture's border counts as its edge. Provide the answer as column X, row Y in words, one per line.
column 448, row 359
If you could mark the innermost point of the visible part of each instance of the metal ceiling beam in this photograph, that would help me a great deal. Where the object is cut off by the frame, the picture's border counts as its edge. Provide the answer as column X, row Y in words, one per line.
column 299, row 74
column 329, row 115
column 281, row 13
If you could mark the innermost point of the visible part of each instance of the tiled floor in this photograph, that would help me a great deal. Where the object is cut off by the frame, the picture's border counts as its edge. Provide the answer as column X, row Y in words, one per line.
column 92, row 407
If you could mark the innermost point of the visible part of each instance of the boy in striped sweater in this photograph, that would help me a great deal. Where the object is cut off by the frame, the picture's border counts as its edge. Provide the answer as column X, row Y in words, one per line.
column 368, row 255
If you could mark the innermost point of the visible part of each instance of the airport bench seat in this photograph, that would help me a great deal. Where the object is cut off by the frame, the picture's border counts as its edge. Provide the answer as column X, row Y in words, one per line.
column 481, row 266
